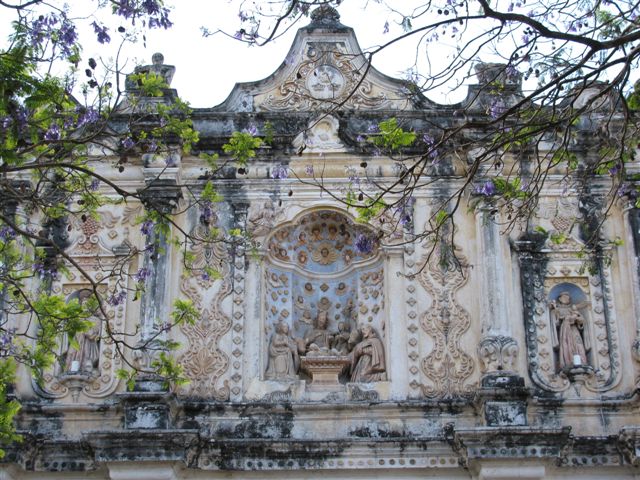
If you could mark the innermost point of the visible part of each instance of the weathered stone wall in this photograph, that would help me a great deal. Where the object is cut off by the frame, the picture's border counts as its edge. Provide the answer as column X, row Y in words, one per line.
column 499, row 356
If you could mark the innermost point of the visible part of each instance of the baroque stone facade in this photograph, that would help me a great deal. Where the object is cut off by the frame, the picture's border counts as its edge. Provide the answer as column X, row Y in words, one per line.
column 497, row 357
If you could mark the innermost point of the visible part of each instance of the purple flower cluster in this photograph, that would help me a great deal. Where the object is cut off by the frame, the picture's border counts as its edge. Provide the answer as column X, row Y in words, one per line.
column 404, row 210
column 101, row 33
column 117, row 298
column 53, row 134
column 487, row 189
column 430, row 143
column 142, row 275
column 7, row 233
column 88, row 117
column 309, row 169
column 94, row 185
column 251, row 130
column 158, row 16
column 147, row 227
column 364, row 244
column 497, row 108
column 45, row 271
column 128, row 143
column 206, row 212
column 628, row 190
column 54, row 27
column 613, row 171
column 280, row 172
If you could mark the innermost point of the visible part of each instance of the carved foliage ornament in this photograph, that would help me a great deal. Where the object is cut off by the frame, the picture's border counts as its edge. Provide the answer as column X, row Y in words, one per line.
column 498, row 353
column 204, row 362
column 447, row 367
column 325, row 78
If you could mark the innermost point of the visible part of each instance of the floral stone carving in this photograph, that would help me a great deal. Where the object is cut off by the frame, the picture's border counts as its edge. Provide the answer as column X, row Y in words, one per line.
column 328, row 298
column 498, row 353
column 447, row 367
column 204, row 361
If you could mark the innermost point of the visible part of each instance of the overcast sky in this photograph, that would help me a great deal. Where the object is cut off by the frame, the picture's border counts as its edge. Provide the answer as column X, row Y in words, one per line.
column 208, row 67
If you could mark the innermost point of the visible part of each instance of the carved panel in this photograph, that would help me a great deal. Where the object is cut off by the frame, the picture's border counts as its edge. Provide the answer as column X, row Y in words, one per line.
column 322, row 288
column 204, row 362
column 569, row 319
column 447, row 367
column 96, row 248
column 326, row 77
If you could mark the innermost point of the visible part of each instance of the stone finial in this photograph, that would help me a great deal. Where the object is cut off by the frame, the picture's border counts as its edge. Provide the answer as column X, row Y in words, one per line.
column 325, row 15
column 157, row 59
column 157, row 67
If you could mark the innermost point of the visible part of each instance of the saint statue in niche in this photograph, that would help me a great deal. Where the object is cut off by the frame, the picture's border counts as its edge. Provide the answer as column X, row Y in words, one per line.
column 568, row 333
column 283, row 355
column 367, row 358
column 85, row 356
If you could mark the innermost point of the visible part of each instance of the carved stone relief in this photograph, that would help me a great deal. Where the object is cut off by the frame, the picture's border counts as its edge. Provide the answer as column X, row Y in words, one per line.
column 262, row 217
column 326, row 77
column 498, row 353
column 569, row 319
column 321, row 136
column 204, row 361
column 325, row 298
column 447, row 367
column 89, row 369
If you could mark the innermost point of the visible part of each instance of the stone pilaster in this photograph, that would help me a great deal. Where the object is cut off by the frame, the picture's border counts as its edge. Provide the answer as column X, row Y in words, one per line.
column 397, row 365
column 632, row 226
column 161, row 196
column 238, row 306
column 497, row 349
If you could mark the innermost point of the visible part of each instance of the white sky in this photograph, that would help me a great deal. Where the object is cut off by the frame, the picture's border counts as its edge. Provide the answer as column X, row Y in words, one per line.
column 207, row 68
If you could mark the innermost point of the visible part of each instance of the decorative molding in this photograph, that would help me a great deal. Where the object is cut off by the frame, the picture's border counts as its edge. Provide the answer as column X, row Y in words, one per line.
column 498, row 353
column 447, row 367
column 545, row 273
column 204, row 361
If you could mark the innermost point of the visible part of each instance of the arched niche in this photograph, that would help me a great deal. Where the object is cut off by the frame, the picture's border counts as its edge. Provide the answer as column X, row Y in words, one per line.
column 312, row 266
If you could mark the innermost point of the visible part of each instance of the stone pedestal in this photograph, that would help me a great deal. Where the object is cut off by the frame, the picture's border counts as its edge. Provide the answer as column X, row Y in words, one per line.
column 145, row 410
column 325, row 371
column 503, row 399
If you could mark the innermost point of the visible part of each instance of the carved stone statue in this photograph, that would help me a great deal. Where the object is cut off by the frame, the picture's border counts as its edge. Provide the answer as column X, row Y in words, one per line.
column 84, row 356
column 367, row 358
column 318, row 340
column 568, row 333
column 340, row 340
column 283, row 355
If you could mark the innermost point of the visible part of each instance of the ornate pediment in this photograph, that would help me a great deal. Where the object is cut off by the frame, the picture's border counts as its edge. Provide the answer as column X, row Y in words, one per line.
column 325, row 70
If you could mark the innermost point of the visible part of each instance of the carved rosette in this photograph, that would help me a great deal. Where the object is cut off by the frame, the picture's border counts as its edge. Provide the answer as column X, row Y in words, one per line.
column 545, row 272
column 498, row 353
column 204, row 362
column 447, row 367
